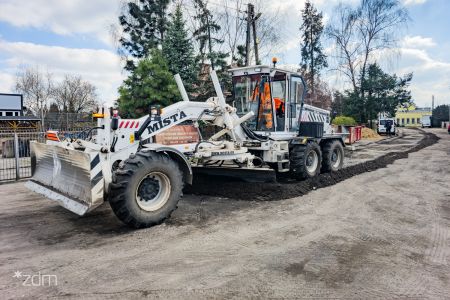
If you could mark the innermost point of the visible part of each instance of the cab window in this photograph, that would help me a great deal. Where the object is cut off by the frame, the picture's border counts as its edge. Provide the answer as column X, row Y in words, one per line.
column 244, row 87
column 297, row 88
column 279, row 99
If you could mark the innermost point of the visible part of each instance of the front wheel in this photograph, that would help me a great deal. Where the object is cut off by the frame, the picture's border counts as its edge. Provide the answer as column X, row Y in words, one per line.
column 146, row 189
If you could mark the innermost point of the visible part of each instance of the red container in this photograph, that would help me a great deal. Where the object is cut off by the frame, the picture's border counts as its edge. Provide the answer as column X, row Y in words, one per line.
column 358, row 133
column 351, row 137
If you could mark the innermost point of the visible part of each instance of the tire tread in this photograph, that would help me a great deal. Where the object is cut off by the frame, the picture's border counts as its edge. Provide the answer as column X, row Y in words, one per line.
column 124, row 176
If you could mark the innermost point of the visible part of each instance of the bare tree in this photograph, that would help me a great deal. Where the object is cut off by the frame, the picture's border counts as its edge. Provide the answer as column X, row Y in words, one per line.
column 75, row 95
column 323, row 94
column 232, row 19
column 36, row 87
column 380, row 21
column 268, row 28
column 360, row 33
column 233, row 26
column 342, row 31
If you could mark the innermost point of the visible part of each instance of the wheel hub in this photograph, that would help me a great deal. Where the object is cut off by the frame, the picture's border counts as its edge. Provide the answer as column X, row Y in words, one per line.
column 312, row 161
column 149, row 188
column 335, row 158
column 153, row 191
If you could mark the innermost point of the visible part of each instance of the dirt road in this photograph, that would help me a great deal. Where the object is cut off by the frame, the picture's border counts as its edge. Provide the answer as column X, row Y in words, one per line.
column 380, row 234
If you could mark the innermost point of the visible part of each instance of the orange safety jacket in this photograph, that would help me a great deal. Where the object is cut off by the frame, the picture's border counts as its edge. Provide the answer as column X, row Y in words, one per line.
column 279, row 104
column 265, row 107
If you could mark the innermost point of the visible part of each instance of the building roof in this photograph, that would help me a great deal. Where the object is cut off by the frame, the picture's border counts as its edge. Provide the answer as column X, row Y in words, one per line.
column 416, row 111
column 19, row 118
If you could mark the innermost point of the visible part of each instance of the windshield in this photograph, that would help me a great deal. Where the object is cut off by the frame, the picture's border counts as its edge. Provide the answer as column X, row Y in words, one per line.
column 243, row 89
column 255, row 93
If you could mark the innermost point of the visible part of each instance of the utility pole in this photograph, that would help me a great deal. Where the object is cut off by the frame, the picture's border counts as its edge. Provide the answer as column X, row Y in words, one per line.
column 255, row 40
column 247, row 40
column 251, row 22
column 211, row 59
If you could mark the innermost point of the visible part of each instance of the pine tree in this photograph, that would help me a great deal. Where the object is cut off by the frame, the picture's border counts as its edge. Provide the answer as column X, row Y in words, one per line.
column 205, row 34
column 151, row 83
column 384, row 93
column 205, row 30
column 144, row 25
column 178, row 50
column 240, row 55
column 313, row 59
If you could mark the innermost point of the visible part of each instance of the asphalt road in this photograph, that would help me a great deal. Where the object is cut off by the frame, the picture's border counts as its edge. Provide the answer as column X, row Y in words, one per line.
column 381, row 234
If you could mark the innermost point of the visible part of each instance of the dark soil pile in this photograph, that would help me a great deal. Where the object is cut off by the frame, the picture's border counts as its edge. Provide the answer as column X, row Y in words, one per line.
column 224, row 187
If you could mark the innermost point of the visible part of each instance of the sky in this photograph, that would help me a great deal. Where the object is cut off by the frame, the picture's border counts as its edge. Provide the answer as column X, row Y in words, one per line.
column 75, row 37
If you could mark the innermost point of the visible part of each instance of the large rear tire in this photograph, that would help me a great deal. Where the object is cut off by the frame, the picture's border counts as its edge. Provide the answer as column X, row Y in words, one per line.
column 146, row 189
column 333, row 156
column 305, row 161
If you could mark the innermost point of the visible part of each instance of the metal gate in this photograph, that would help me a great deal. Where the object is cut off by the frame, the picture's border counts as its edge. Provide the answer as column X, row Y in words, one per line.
column 15, row 161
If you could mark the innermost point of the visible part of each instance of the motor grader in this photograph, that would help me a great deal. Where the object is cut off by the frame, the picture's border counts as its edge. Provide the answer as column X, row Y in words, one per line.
column 264, row 131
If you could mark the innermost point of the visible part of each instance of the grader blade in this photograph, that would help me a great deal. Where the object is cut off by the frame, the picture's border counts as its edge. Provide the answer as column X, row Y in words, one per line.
column 254, row 175
column 72, row 178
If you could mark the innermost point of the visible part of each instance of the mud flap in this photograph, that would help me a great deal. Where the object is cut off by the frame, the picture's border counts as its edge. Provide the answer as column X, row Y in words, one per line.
column 72, row 178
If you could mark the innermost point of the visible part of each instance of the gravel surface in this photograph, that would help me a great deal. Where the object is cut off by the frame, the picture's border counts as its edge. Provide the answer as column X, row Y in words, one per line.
column 381, row 234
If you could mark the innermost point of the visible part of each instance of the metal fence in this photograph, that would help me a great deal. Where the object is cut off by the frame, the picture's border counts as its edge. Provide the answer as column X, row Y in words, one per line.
column 15, row 161
column 68, row 121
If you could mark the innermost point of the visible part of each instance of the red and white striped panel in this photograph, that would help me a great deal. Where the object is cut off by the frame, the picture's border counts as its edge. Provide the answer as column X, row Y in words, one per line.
column 130, row 124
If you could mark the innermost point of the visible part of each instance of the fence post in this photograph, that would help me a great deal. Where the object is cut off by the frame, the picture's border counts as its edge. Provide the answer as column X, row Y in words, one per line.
column 17, row 155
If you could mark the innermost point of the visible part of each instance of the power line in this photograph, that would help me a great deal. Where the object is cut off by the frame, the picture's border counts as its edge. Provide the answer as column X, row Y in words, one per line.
column 225, row 6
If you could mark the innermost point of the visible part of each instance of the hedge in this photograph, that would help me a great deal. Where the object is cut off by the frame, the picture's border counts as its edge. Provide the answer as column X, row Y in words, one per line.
column 343, row 120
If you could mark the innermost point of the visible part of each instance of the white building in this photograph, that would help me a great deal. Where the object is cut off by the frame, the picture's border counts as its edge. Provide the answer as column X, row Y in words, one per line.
column 11, row 105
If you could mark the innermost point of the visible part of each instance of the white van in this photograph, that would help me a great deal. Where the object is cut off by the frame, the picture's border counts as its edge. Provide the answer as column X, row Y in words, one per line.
column 426, row 121
column 382, row 122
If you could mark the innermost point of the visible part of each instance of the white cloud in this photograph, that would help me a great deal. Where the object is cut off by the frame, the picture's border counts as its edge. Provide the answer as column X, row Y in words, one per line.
column 418, row 42
column 6, row 82
column 414, row 2
column 64, row 17
column 291, row 43
column 420, row 59
column 297, row 5
column 100, row 67
column 431, row 76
